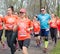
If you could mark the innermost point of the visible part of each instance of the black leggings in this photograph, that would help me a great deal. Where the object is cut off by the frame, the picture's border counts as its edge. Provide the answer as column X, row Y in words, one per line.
column 11, row 40
column 1, row 32
column 53, row 32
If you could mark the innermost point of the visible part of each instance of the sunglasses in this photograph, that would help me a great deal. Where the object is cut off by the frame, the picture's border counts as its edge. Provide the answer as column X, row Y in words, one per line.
column 21, row 12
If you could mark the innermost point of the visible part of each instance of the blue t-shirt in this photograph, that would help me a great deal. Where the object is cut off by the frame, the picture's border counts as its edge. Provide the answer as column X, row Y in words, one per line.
column 43, row 18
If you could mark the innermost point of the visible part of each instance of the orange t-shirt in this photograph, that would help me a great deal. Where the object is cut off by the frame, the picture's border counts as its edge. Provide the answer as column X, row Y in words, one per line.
column 29, row 22
column 9, row 22
column 1, row 23
column 23, row 27
column 36, row 27
column 58, row 24
column 53, row 23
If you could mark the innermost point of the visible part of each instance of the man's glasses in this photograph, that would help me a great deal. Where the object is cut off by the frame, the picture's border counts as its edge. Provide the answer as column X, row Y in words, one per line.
column 42, row 10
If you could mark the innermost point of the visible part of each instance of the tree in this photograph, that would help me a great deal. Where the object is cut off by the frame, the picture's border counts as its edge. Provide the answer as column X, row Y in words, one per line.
column 40, row 5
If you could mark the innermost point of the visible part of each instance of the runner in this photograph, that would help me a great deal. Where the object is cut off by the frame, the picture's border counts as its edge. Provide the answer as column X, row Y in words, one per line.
column 1, row 30
column 58, row 27
column 9, row 22
column 24, row 26
column 36, row 26
column 43, row 18
column 53, row 28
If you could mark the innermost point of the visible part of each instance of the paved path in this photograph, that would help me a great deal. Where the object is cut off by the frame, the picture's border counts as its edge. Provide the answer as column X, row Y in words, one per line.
column 32, row 49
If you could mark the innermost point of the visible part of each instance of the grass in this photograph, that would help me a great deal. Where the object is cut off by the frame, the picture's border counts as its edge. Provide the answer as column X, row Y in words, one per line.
column 56, row 50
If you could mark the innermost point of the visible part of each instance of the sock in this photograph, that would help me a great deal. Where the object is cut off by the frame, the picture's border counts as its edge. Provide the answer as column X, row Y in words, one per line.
column 46, row 44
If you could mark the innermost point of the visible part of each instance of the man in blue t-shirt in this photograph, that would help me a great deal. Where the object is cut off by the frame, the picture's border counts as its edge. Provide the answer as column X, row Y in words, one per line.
column 43, row 18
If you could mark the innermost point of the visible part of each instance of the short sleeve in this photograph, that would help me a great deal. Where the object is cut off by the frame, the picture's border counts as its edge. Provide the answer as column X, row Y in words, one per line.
column 4, row 19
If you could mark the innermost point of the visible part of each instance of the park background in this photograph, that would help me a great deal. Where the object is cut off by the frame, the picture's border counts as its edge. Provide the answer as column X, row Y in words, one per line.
column 33, row 8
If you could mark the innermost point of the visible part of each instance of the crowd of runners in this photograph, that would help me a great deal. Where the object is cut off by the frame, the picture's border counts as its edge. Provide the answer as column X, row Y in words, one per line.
column 18, row 29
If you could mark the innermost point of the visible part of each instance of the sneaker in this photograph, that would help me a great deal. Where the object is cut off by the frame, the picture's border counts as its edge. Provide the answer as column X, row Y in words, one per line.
column 4, row 46
column 45, row 50
column 16, row 46
column 54, row 44
column 19, row 49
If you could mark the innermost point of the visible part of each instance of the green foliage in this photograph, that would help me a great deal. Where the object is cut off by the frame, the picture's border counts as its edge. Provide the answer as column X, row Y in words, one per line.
column 34, row 6
column 56, row 50
column 58, row 11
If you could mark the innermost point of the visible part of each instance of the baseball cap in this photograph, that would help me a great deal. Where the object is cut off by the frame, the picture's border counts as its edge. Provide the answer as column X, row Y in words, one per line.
column 23, row 10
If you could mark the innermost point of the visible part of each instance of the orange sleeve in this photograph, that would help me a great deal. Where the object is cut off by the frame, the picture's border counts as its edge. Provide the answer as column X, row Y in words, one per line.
column 4, row 19
column 1, row 19
column 16, row 16
column 58, row 22
column 30, row 23
column 17, row 19
column 49, row 22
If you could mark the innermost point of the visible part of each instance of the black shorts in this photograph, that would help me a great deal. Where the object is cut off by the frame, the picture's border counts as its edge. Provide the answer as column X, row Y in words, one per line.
column 1, row 32
column 44, row 32
column 24, row 43
column 36, row 35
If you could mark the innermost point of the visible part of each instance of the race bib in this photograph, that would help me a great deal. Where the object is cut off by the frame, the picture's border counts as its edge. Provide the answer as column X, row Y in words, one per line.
column 10, row 26
column 22, row 33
